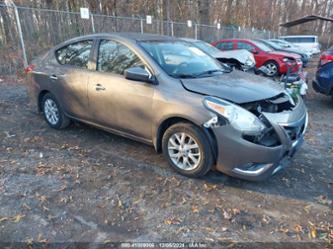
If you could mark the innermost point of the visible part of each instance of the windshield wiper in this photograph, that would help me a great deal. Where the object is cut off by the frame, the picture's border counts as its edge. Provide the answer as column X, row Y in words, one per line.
column 184, row 76
column 209, row 72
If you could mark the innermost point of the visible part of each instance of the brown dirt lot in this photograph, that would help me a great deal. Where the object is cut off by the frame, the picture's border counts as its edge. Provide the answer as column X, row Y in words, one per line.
column 85, row 185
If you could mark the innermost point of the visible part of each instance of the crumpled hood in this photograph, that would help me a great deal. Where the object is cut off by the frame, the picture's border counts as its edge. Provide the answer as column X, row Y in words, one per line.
column 241, row 55
column 238, row 87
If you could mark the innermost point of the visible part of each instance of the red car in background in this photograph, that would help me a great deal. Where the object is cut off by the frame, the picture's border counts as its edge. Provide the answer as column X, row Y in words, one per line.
column 276, row 62
column 326, row 57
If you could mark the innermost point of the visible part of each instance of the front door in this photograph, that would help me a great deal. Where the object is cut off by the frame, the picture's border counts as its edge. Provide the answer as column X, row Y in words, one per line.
column 115, row 102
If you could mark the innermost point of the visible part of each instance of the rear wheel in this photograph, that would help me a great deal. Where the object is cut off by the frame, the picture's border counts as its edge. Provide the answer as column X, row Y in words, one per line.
column 53, row 113
column 273, row 68
column 187, row 150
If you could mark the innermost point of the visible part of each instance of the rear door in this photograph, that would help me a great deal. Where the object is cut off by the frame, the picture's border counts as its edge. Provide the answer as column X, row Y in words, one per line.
column 114, row 101
column 69, row 77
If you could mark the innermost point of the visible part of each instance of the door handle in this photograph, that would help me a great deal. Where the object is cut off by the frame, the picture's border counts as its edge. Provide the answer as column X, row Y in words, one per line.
column 99, row 87
column 53, row 77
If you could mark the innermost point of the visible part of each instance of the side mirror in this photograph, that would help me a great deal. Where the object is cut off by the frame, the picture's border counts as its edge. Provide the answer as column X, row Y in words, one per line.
column 139, row 74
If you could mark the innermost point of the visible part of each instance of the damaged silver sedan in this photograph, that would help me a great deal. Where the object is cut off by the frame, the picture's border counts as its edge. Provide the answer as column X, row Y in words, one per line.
column 166, row 92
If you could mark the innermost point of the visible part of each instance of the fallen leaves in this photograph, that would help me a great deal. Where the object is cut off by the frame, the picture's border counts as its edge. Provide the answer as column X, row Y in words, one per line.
column 209, row 187
column 2, row 219
column 41, row 198
column 16, row 218
column 229, row 214
column 63, row 188
column 172, row 221
column 34, row 139
column 322, row 231
column 81, row 152
column 195, row 209
column 298, row 228
column 43, row 169
column 266, row 219
column 26, row 206
column 307, row 208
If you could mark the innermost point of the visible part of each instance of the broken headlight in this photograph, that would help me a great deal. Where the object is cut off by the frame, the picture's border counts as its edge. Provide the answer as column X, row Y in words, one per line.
column 237, row 116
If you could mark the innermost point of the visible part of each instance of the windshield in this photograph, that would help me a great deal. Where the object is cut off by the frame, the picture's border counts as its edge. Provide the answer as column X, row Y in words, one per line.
column 207, row 48
column 283, row 44
column 262, row 46
column 181, row 59
column 273, row 45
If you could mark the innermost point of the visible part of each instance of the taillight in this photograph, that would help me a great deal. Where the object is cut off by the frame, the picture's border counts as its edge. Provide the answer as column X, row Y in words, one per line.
column 29, row 68
column 325, row 58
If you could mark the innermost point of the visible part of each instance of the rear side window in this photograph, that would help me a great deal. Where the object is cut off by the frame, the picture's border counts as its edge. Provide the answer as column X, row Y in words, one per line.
column 225, row 46
column 76, row 54
column 114, row 57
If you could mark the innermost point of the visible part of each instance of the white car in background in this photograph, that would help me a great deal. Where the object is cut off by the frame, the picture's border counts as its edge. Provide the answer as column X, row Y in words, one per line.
column 308, row 43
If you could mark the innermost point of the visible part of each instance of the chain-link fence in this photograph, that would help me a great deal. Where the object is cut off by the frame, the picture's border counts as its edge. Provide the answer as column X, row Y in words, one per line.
column 41, row 29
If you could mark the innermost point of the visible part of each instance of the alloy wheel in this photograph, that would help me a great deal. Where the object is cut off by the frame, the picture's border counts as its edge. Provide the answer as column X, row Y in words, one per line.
column 272, row 68
column 51, row 111
column 184, row 151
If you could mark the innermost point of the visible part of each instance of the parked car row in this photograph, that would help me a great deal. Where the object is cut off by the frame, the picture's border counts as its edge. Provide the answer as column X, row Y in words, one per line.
column 278, row 62
column 240, row 59
column 274, row 46
column 173, row 94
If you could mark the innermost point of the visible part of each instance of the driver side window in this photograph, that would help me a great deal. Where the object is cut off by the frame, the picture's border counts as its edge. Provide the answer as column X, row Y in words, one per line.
column 114, row 57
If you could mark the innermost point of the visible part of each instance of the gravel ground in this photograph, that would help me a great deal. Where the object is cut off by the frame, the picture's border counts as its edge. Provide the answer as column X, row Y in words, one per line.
column 85, row 185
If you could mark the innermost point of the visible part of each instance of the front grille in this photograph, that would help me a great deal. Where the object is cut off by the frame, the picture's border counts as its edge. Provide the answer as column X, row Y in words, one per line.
column 275, row 104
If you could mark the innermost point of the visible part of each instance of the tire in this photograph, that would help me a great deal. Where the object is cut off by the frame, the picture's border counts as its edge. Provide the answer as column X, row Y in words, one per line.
column 53, row 113
column 197, row 159
column 273, row 67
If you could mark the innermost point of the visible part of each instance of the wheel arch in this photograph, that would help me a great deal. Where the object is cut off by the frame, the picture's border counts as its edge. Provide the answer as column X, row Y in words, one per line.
column 271, row 60
column 40, row 98
column 165, row 124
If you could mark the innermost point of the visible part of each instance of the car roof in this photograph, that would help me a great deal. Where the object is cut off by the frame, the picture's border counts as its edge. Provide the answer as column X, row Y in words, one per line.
column 131, row 36
column 189, row 39
column 236, row 39
column 296, row 36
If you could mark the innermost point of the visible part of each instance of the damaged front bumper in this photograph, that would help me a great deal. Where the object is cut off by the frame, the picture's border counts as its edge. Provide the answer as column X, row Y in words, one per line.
column 244, row 158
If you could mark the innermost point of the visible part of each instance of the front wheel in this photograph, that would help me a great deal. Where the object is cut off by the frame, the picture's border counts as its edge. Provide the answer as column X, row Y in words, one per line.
column 53, row 113
column 187, row 149
column 273, row 68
